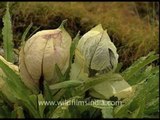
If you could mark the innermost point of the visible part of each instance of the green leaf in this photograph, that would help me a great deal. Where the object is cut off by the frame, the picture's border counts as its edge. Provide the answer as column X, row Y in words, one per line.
column 19, row 90
column 20, row 113
column 41, row 107
column 33, row 112
column 62, row 111
column 17, row 112
column 59, row 94
column 88, row 111
column 8, row 36
column 138, row 105
column 134, row 107
column 152, row 90
column 48, row 97
column 36, row 29
column 14, row 82
column 138, row 65
column 149, row 77
column 65, row 84
column 145, row 102
column 33, row 100
column 74, row 112
column 59, row 73
column 73, row 46
column 76, row 70
column 152, row 107
column 72, row 52
column 7, row 95
column 25, row 33
column 119, row 66
column 5, row 112
column 4, row 99
column 47, row 92
column 107, row 110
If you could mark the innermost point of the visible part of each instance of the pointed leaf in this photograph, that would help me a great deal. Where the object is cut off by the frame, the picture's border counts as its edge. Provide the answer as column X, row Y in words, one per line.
column 8, row 36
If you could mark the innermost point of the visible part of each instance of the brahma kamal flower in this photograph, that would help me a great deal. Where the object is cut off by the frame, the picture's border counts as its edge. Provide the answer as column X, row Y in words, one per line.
column 96, row 54
column 41, row 53
column 96, row 51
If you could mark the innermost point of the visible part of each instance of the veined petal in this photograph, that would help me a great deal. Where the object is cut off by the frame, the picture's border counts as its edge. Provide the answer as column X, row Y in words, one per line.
column 48, row 60
column 26, row 77
column 98, row 51
column 105, row 55
column 107, row 89
column 33, row 57
column 66, row 40
column 93, row 32
column 40, row 54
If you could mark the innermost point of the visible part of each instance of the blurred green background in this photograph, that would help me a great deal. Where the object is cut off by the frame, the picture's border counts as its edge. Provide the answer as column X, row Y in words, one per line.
column 132, row 26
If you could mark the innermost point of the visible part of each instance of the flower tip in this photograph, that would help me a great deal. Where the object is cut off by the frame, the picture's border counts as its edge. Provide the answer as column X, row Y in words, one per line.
column 98, row 28
column 78, row 34
column 63, row 23
column 99, row 25
column 77, row 37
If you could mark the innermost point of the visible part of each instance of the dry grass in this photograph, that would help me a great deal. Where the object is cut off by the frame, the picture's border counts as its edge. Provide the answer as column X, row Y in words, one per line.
column 132, row 32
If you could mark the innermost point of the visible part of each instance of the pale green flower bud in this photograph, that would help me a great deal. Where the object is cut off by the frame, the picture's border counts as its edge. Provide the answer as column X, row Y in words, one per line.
column 40, row 54
column 96, row 51
column 120, row 89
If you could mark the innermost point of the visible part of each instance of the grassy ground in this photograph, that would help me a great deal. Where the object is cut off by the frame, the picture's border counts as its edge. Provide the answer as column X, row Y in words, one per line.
column 133, row 27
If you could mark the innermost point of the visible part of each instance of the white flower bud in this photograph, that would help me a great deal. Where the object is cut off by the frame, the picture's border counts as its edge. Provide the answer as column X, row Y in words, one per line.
column 40, row 54
column 96, row 51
